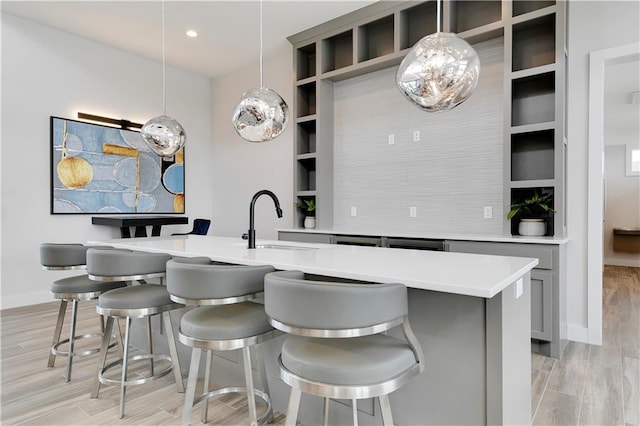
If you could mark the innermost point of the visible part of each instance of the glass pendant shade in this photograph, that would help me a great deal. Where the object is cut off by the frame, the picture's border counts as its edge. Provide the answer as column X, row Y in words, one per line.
column 439, row 73
column 261, row 115
column 164, row 135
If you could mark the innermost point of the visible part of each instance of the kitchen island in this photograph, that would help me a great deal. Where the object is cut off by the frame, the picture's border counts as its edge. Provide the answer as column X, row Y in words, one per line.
column 471, row 314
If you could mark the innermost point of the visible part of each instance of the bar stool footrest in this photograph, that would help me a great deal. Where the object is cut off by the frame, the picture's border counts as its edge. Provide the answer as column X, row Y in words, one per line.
column 265, row 417
column 59, row 352
column 146, row 379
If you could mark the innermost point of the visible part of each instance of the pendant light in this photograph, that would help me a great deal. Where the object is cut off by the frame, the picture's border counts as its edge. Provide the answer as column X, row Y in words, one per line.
column 262, row 114
column 164, row 135
column 440, row 72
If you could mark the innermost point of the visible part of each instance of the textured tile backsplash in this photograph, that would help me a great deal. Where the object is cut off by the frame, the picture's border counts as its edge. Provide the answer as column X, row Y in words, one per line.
column 450, row 175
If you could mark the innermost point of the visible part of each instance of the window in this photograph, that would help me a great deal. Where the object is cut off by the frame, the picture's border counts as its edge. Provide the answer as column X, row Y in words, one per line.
column 633, row 160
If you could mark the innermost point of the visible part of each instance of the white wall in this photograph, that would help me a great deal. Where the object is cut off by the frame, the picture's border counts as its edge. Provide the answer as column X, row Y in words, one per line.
column 592, row 25
column 241, row 168
column 623, row 205
column 48, row 72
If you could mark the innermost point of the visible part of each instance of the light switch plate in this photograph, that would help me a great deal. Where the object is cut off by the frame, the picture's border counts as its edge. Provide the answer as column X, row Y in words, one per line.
column 354, row 211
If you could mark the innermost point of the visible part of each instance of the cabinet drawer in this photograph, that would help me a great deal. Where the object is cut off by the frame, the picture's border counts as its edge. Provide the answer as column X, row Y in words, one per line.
column 543, row 253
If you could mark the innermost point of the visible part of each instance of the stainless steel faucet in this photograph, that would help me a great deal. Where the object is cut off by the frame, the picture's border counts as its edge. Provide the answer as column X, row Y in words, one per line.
column 252, row 231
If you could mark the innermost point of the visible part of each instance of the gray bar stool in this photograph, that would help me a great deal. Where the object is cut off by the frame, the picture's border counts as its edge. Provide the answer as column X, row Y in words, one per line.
column 224, row 320
column 336, row 348
column 138, row 301
column 74, row 289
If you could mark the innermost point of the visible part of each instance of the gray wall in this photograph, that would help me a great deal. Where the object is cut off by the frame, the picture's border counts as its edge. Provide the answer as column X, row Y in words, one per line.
column 450, row 175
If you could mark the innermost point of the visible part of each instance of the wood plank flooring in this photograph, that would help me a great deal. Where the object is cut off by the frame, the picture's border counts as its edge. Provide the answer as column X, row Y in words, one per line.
column 590, row 385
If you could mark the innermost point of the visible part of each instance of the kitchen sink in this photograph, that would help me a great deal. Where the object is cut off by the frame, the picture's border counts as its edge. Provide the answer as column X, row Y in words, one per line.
column 284, row 247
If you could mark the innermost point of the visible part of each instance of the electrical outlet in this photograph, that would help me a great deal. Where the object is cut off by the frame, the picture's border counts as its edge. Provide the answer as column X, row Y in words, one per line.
column 488, row 212
column 354, row 212
column 416, row 135
column 392, row 139
column 413, row 211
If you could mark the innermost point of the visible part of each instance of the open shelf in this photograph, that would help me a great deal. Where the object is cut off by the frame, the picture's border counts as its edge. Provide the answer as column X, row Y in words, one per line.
column 306, row 65
column 417, row 22
column 466, row 15
column 534, row 43
column 306, row 140
column 533, row 99
column 521, row 7
column 306, row 174
column 519, row 194
column 375, row 39
column 306, row 104
column 337, row 51
column 532, row 155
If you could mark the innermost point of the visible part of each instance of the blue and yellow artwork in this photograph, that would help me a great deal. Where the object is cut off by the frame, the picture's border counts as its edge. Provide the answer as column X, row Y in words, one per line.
column 101, row 169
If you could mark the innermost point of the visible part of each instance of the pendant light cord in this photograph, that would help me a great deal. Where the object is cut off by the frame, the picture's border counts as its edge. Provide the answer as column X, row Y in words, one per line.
column 261, row 81
column 438, row 12
column 164, row 76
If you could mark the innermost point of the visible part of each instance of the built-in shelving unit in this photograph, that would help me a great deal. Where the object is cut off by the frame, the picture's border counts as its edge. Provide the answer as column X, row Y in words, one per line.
column 379, row 36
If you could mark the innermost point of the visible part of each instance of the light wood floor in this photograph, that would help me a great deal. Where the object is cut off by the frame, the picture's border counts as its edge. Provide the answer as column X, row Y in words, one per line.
column 590, row 385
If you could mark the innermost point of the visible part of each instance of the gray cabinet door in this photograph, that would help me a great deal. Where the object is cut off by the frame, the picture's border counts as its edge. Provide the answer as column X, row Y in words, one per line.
column 541, row 305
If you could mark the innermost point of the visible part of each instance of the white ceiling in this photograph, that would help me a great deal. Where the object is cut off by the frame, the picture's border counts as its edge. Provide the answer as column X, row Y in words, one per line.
column 229, row 35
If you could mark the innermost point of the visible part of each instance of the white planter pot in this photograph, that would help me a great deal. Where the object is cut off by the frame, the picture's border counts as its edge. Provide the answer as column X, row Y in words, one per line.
column 310, row 222
column 532, row 227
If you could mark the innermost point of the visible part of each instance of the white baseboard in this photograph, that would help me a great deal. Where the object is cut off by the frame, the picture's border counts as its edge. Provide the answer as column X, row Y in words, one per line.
column 577, row 333
column 26, row 299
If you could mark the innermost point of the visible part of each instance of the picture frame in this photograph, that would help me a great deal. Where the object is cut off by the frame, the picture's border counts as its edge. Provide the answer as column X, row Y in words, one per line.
column 97, row 169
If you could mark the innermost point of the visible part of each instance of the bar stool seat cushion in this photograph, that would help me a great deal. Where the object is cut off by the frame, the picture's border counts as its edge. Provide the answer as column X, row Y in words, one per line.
column 82, row 284
column 136, row 297
column 225, row 322
column 355, row 361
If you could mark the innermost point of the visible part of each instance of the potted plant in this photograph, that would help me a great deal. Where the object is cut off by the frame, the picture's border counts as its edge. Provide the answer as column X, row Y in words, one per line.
column 309, row 208
column 532, row 212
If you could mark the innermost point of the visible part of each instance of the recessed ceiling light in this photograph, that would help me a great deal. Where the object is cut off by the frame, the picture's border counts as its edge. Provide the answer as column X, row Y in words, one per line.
column 192, row 34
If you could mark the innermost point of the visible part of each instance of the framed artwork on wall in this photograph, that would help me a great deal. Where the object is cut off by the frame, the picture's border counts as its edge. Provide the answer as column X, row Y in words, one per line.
column 108, row 170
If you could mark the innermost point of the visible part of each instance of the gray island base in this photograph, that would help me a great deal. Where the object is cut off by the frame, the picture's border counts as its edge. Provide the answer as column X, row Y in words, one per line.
column 471, row 314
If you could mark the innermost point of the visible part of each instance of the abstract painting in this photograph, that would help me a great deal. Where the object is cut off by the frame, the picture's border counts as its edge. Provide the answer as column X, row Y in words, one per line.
column 108, row 170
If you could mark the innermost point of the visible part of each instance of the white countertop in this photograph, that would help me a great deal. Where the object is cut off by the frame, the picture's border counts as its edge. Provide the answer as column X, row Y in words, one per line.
column 458, row 273
column 438, row 236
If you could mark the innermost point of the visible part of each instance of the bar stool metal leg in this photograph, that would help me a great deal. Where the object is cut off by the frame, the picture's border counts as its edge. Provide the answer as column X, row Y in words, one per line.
column 325, row 416
column 207, row 377
column 292, row 410
column 125, row 359
column 72, row 337
column 191, row 386
column 173, row 350
column 354, row 411
column 248, row 377
column 106, row 337
column 150, row 344
column 263, row 376
column 57, row 332
column 385, row 409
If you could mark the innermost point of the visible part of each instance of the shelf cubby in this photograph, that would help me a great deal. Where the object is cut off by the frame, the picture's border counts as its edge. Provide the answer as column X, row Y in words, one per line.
column 466, row 15
column 518, row 194
column 533, row 99
column 306, row 174
column 532, row 155
column 534, row 43
column 337, row 51
column 306, row 62
column 375, row 39
column 306, row 140
column 525, row 6
column 306, row 98
column 417, row 22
